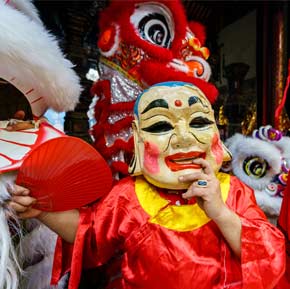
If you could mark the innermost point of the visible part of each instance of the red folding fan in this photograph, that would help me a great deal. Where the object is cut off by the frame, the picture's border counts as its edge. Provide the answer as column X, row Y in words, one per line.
column 65, row 173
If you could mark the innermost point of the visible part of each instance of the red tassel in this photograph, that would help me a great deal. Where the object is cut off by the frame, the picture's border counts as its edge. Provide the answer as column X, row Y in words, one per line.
column 119, row 125
column 118, row 145
column 122, row 106
column 282, row 103
column 120, row 167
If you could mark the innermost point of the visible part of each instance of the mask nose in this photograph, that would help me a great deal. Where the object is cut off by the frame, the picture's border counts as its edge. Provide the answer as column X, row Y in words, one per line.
column 182, row 137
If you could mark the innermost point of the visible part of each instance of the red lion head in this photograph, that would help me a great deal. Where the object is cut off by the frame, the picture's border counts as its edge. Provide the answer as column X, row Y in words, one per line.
column 145, row 42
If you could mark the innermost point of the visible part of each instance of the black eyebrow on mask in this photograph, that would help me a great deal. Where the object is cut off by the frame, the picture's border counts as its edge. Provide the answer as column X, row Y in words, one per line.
column 194, row 99
column 156, row 103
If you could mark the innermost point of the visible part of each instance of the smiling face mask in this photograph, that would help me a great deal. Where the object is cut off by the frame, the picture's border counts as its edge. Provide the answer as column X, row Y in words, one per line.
column 174, row 124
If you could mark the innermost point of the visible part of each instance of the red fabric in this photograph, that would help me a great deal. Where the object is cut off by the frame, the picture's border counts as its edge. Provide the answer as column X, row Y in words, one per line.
column 153, row 72
column 280, row 106
column 284, row 217
column 284, row 225
column 120, row 12
column 145, row 63
column 155, row 257
column 68, row 257
column 102, row 111
column 61, row 265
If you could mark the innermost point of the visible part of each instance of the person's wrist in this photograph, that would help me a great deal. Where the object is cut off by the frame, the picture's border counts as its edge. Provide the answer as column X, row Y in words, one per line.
column 224, row 214
column 41, row 216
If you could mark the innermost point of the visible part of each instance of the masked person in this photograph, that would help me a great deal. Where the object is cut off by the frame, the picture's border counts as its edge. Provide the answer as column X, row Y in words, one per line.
column 178, row 222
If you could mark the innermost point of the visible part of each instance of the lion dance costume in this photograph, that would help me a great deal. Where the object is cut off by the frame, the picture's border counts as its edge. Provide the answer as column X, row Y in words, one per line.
column 141, row 43
column 30, row 60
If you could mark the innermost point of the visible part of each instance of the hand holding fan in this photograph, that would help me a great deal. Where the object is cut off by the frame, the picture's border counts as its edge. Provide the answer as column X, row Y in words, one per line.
column 64, row 173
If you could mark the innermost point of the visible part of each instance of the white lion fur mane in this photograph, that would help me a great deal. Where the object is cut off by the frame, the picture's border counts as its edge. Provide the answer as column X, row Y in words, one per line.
column 242, row 147
column 9, row 263
column 27, row 8
column 30, row 53
column 35, row 248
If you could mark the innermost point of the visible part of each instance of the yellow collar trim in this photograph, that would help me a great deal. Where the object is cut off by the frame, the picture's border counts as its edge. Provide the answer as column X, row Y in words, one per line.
column 179, row 218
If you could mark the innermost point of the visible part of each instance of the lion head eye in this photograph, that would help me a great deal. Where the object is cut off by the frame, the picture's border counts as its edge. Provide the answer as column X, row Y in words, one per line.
column 255, row 167
column 154, row 23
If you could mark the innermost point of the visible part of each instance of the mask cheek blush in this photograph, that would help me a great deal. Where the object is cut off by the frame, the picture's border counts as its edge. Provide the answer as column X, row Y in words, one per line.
column 151, row 155
column 217, row 149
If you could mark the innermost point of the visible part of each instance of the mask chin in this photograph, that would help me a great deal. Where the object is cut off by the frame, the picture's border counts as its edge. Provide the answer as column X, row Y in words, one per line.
column 166, row 185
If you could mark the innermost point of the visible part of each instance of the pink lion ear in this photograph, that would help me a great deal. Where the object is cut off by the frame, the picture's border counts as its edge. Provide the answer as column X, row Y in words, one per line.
column 199, row 31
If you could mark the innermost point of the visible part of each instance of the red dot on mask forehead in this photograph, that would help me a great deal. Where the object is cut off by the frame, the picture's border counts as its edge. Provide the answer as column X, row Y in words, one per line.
column 178, row 102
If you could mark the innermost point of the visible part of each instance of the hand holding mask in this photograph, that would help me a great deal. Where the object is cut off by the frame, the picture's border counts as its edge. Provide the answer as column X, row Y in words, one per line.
column 177, row 143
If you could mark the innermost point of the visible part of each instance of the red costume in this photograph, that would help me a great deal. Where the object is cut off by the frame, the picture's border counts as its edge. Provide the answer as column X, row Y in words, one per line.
column 141, row 42
column 284, row 217
column 284, row 225
column 178, row 245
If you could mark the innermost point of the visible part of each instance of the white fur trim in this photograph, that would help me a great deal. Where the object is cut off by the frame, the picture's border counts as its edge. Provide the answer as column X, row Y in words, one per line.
column 26, row 7
column 284, row 146
column 31, row 59
column 115, row 46
column 9, row 267
column 269, row 204
column 243, row 147
column 37, row 249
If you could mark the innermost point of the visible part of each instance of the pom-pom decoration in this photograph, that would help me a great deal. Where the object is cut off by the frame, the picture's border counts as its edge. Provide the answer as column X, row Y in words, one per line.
column 65, row 173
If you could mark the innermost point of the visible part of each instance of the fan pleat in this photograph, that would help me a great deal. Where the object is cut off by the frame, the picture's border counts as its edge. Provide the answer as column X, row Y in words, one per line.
column 65, row 173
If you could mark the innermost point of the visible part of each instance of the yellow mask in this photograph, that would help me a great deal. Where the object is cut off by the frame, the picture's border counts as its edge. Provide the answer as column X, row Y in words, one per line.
column 174, row 124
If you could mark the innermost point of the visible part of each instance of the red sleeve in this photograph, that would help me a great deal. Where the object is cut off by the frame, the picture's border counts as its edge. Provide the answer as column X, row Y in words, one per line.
column 262, row 244
column 97, row 237
column 70, row 257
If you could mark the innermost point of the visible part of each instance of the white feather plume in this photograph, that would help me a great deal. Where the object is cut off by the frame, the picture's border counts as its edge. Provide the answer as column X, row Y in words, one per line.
column 9, row 267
